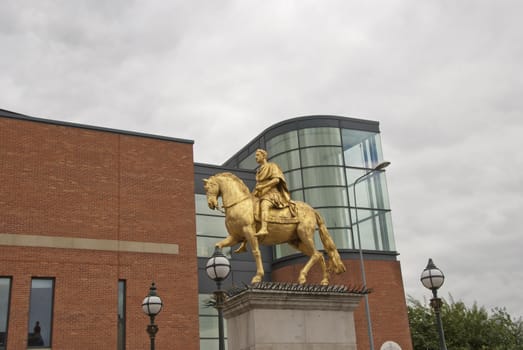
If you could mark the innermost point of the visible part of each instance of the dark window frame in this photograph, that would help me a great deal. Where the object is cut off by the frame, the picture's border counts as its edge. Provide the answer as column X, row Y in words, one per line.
column 9, row 293
column 121, row 340
column 53, row 280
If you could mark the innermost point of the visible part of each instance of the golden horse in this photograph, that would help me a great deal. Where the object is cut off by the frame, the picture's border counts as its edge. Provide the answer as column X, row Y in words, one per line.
column 238, row 204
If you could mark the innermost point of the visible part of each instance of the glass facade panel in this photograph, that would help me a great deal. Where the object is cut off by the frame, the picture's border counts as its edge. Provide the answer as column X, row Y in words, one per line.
column 5, row 294
column 324, row 176
column 282, row 250
column 361, row 148
column 249, row 162
column 205, row 246
column 203, row 208
column 282, row 143
column 287, row 161
column 293, row 180
column 203, row 307
column 209, row 324
column 326, row 196
column 210, row 229
column 210, row 344
column 375, row 229
column 371, row 191
column 335, row 217
column 321, row 156
column 210, row 226
column 297, row 195
column 208, row 327
column 121, row 315
column 388, row 235
column 341, row 238
column 40, row 313
column 320, row 136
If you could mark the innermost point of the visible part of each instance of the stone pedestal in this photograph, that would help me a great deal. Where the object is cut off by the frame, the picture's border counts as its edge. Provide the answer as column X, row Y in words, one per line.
column 291, row 317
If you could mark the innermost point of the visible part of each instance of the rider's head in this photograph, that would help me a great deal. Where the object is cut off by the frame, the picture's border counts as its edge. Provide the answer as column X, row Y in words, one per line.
column 261, row 154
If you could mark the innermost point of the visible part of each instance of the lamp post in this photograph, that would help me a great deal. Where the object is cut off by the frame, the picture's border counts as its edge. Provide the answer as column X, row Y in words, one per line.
column 218, row 268
column 151, row 306
column 432, row 278
column 380, row 166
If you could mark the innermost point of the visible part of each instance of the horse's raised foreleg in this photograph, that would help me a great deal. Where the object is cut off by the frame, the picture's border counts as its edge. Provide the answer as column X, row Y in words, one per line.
column 253, row 241
column 229, row 241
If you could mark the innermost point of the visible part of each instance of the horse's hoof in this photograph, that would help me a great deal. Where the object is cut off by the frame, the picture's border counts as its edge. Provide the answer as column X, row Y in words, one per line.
column 324, row 282
column 256, row 279
column 302, row 280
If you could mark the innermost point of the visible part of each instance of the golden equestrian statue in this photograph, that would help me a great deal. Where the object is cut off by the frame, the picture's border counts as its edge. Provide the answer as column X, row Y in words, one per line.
column 268, row 216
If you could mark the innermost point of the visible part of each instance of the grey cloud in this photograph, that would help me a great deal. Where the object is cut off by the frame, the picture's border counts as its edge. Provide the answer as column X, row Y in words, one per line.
column 443, row 78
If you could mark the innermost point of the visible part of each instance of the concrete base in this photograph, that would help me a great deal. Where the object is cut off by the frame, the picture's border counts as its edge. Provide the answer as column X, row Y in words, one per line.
column 299, row 318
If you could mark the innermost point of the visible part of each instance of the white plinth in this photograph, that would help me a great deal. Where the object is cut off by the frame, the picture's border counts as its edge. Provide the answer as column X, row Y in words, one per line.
column 291, row 320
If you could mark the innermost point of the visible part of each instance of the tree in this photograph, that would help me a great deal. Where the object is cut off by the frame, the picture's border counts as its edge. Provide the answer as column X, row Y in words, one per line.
column 466, row 328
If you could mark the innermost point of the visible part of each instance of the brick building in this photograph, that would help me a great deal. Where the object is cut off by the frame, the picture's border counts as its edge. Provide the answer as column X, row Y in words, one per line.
column 89, row 217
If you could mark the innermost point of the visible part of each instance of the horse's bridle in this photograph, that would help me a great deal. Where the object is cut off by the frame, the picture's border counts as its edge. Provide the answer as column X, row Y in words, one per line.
column 247, row 196
column 224, row 207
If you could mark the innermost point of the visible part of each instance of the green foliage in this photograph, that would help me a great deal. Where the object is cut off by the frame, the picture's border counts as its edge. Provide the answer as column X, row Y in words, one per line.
column 466, row 328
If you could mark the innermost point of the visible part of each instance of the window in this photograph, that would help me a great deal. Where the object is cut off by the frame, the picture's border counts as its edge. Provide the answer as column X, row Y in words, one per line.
column 361, row 148
column 375, row 229
column 249, row 162
column 121, row 315
column 281, row 250
column 324, row 176
column 335, row 217
column 205, row 246
column 282, row 143
column 210, row 227
column 5, row 293
column 294, row 180
column 321, row 156
column 320, row 136
column 287, row 161
column 371, row 191
column 202, row 207
column 326, row 196
column 40, row 312
column 214, row 226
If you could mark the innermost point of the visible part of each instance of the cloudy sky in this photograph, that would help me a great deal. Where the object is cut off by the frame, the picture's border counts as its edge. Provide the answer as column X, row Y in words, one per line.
column 444, row 79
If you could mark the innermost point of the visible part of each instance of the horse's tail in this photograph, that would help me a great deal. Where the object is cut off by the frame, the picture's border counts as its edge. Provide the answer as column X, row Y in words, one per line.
column 335, row 263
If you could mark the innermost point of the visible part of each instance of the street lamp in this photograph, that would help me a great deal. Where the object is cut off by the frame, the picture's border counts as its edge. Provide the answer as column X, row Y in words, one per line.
column 218, row 268
column 151, row 306
column 378, row 167
column 432, row 278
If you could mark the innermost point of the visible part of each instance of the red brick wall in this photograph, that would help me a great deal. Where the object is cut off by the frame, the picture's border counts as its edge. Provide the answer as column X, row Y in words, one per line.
column 387, row 300
column 74, row 182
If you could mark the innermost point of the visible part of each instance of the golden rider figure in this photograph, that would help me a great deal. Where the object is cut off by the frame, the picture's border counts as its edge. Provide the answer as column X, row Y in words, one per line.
column 271, row 189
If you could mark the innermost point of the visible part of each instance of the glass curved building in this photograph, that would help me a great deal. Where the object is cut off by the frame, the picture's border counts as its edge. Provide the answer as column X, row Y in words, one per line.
column 322, row 157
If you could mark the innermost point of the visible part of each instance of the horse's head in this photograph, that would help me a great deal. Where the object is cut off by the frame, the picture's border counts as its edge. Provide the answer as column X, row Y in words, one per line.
column 212, row 190
column 227, row 185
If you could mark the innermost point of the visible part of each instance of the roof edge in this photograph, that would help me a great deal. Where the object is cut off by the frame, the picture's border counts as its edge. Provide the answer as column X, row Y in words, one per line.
column 318, row 120
column 14, row 115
